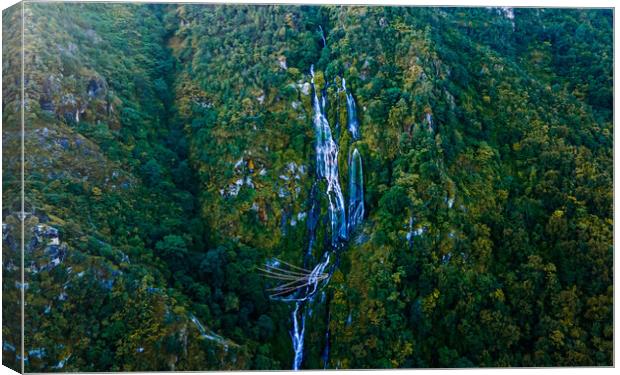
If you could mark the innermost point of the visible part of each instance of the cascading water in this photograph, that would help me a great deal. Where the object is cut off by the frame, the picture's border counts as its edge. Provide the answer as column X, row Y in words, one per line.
column 326, row 349
column 352, row 123
column 313, row 220
column 327, row 167
column 300, row 284
column 410, row 232
column 429, row 122
column 206, row 334
column 322, row 36
column 298, row 334
column 356, row 191
column 337, row 126
column 299, row 313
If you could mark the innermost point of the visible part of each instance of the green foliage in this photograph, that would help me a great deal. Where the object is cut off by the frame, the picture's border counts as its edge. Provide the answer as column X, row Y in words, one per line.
column 172, row 146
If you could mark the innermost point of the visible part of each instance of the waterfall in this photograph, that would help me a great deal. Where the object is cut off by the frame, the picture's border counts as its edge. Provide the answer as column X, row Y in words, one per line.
column 313, row 219
column 300, row 284
column 323, row 36
column 298, row 314
column 352, row 123
column 429, row 122
column 337, row 126
column 206, row 334
column 325, row 356
column 327, row 167
column 356, row 191
column 297, row 335
column 327, row 347
column 410, row 232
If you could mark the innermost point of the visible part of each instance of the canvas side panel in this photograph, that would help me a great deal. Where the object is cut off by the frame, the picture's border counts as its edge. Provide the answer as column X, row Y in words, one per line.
column 12, row 228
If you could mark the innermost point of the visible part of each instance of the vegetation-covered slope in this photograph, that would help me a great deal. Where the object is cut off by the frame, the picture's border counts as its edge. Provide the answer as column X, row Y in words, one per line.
column 171, row 147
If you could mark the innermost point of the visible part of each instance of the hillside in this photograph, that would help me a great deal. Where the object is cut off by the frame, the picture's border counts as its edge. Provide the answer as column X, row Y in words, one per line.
column 446, row 173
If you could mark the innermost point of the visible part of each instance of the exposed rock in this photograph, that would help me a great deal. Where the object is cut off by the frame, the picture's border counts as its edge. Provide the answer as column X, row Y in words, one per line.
column 305, row 88
column 450, row 100
column 50, row 89
column 72, row 48
column 92, row 34
column 96, row 87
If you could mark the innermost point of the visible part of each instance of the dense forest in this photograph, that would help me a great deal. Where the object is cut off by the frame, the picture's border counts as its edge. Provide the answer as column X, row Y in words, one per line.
column 172, row 155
